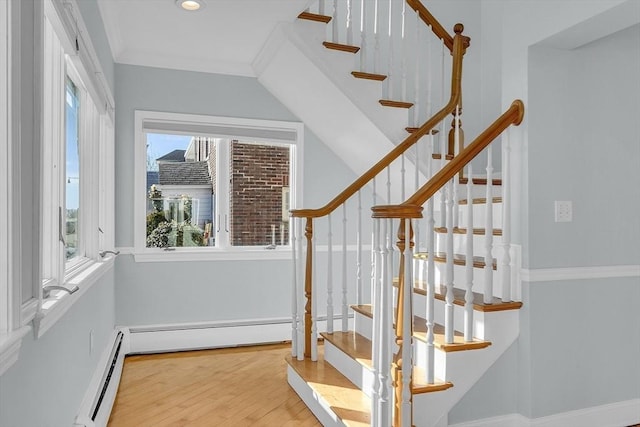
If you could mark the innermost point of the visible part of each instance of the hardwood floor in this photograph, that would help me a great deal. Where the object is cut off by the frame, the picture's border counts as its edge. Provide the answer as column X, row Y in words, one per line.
column 244, row 386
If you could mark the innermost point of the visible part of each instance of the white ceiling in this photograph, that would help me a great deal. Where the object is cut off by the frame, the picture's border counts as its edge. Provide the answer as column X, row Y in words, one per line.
column 224, row 37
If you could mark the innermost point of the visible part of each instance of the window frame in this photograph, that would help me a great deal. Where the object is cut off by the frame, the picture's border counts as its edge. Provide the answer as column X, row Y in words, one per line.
column 277, row 132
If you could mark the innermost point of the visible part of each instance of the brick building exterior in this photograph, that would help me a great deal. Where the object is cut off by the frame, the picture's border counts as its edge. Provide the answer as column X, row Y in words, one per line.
column 259, row 175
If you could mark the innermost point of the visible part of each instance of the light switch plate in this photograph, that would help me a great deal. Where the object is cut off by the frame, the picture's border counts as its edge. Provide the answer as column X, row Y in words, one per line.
column 564, row 211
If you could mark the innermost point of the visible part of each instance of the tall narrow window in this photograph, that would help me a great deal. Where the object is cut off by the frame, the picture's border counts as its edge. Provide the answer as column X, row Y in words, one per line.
column 72, row 171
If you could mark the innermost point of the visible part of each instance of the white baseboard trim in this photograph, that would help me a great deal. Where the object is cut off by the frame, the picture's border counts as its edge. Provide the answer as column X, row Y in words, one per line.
column 98, row 400
column 579, row 273
column 617, row 414
column 198, row 336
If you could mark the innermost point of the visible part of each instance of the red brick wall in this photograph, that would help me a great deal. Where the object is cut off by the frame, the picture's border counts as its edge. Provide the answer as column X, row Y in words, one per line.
column 258, row 174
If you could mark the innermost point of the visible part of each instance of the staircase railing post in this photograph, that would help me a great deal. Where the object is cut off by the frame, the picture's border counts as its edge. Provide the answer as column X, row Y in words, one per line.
column 308, row 287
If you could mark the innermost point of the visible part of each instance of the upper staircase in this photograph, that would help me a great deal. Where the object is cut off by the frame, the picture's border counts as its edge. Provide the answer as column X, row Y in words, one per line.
column 406, row 278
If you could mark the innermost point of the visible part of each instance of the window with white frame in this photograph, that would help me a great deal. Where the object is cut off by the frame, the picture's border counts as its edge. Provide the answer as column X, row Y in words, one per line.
column 212, row 183
column 71, row 177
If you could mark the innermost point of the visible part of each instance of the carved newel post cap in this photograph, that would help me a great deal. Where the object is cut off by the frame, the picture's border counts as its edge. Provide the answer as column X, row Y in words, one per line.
column 458, row 28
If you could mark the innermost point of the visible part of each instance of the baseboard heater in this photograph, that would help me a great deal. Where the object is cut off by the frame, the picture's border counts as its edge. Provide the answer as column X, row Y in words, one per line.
column 96, row 407
column 107, row 375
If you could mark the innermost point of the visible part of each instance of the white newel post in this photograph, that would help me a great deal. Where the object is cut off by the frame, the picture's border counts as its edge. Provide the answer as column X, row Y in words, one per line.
column 294, row 292
column 407, row 330
column 376, row 343
column 385, row 404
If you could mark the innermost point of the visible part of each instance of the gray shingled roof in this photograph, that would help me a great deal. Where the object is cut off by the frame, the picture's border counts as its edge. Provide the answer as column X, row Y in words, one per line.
column 184, row 173
column 174, row 156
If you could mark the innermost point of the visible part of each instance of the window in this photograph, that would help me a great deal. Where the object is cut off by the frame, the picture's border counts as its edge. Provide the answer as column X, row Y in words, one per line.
column 210, row 184
column 73, row 172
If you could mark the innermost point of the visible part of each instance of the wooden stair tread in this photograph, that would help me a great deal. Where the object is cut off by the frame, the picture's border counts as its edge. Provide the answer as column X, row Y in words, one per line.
column 481, row 181
column 396, row 104
column 459, row 344
column 496, row 303
column 476, row 231
column 413, row 129
column 341, row 47
column 348, row 402
column 315, row 17
column 359, row 349
column 420, row 332
column 458, row 259
column 480, row 201
column 368, row 76
column 478, row 300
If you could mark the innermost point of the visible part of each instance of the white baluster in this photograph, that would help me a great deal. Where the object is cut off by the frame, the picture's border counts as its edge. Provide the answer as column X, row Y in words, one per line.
column 345, row 306
column 329, row 276
column 429, row 77
column 456, row 142
column 403, row 53
column 359, row 287
column 417, row 223
column 349, row 22
column 443, row 161
column 389, row 184
column 376, row 37
column 415, row 117
column 321, row 7
column 403, row 171
column 407, row 320
column 294, row 293
column 468, row 296
column 301, row 297
column 488, row 233
column 389, row 80
column 334, row 23
column 431, row 278
column 386, row 322
column 505, row 266
column 314, row 301
column 373, row 237
column 448, row 277
column 363, row 36
column 378, row 256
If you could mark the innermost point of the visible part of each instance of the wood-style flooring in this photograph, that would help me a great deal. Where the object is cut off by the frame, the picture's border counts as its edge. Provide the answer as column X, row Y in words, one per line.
column 243, row 386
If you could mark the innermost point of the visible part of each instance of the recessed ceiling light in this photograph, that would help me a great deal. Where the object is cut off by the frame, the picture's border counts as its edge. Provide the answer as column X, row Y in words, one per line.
column 190, row 5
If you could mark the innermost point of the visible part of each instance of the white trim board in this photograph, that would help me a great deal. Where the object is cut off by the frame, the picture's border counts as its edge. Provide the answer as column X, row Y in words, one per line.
column 611, row 415
column 579, row 273
column 208, row 335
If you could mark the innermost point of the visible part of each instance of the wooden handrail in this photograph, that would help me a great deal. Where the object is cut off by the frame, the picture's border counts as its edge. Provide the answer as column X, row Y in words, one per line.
column 431, row 21
column 513, row 115
column 459, row 49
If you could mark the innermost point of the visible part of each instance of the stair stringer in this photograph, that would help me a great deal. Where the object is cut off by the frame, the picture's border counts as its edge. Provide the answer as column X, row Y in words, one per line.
column 291, row 70
column 465, row 368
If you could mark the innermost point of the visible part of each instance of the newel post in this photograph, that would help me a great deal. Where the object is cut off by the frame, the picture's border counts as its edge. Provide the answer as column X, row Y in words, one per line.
column 308, row 287
column 402, row 364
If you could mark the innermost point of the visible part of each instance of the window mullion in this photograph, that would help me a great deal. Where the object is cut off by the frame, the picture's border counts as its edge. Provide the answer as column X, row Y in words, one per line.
column 223, row 219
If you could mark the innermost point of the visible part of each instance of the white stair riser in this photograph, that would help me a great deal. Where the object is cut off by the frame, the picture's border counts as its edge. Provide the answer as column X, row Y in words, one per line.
column 480, row 215
column 358, row 374
column 363, row 325
column 460, row 243
column 460, row 277
column 320, row 408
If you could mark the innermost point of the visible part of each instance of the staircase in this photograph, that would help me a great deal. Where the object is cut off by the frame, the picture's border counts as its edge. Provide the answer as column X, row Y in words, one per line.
column 421, row 289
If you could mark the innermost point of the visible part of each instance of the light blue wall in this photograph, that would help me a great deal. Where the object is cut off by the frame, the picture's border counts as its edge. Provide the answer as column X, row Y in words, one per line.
column 579, row 344
column 93, row 21
column 46, row 386
column 175, row 292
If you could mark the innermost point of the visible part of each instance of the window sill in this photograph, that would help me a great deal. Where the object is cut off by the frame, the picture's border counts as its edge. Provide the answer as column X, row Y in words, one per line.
column 10, row 347
column 213, row 254
column 59, row 302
